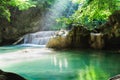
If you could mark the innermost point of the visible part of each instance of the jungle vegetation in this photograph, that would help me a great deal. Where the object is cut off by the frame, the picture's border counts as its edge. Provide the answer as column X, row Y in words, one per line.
column 6, row 5
column 92, row 13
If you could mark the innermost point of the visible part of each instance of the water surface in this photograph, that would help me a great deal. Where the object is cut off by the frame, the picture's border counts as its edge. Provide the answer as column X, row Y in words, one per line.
column 45, row 64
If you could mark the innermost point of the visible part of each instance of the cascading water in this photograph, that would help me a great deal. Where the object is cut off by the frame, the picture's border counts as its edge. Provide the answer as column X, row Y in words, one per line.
column 49, row 20
column 38, row 38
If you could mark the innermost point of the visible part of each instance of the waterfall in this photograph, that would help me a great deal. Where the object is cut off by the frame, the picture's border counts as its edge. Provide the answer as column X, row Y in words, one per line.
column 38, row 38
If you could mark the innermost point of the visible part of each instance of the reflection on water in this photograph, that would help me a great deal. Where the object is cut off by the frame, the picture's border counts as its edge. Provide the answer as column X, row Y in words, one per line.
column 43, row 64
column 61, row 63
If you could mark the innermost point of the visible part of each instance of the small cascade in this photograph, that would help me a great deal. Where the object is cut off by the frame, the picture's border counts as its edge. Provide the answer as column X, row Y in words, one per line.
column 96, row 40
column 38, row 38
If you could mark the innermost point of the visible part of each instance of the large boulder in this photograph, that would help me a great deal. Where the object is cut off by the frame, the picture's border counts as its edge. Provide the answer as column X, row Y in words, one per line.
column 79, row 37
column 96, row 40
column 10, row 76
column 111, row 31
column 117, row 77
column 0, row 37
column 59, row 41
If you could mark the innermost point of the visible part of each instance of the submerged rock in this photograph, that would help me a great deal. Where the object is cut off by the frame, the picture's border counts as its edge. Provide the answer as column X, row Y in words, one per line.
column 117, row 77
column 10, row 76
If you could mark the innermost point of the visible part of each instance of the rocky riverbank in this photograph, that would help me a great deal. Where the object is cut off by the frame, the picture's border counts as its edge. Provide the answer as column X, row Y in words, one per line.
column 107, row 36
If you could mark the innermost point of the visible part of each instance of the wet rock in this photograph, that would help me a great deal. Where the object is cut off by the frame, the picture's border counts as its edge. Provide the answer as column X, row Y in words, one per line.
column 10, row 76
column 96, row 40
column 3, row 77
column 79, row 37
column 62, row 32
column 117, row 77
column 58, row 43
column 0, row 37
column 111, row 31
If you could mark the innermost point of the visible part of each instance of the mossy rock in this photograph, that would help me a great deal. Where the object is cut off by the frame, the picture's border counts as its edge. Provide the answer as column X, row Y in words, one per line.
column 79, row 37
column 59, row 43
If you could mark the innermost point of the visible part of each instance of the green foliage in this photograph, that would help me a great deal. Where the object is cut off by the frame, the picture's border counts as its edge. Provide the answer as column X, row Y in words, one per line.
column 44, row 3
column 92, row 11
column 6, row 4
column 5, row 13
column 22, row 4
column 64, row 20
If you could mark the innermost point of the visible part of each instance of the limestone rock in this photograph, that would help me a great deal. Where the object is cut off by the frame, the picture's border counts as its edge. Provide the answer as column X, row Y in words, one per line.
column 96, row 40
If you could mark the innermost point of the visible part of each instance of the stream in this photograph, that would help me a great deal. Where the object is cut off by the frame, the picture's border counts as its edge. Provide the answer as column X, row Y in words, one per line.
column 35, row 63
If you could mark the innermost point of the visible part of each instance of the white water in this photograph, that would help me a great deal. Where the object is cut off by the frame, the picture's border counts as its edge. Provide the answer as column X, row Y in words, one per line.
column 39, row 38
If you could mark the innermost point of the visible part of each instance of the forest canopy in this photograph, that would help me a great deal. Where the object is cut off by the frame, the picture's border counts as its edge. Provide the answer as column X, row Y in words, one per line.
column 5, row 6
column 92, row 12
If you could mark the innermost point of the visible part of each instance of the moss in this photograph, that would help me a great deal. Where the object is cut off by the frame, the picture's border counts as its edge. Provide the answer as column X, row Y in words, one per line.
column 58, row 43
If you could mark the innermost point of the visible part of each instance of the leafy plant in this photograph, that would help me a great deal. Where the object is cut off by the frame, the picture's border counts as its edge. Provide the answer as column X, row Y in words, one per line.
column 92, row 13
column 21, row 4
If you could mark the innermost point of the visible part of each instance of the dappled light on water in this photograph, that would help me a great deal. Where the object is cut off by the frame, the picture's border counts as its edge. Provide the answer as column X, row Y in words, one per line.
column 91, row 73
column 61, row 63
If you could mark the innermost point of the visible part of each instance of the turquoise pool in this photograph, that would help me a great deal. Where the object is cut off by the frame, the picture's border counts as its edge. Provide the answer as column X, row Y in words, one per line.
column 46, row 64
